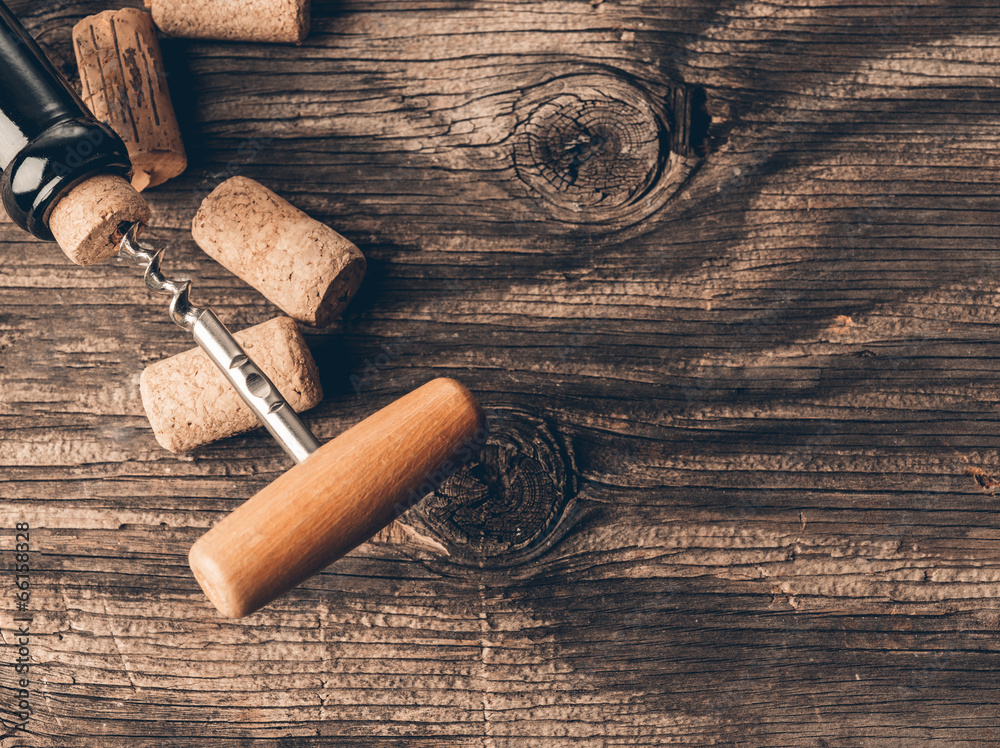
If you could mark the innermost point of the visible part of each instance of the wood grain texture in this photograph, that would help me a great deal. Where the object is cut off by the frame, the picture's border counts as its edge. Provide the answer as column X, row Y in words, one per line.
column 740, row 489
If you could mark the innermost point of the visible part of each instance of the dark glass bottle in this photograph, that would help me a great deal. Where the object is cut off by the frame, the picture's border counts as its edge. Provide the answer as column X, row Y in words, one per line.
column 49, row 142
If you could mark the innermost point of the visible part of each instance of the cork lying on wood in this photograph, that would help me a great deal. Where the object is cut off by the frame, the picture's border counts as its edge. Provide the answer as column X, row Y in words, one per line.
column 190, row 404
column 233, row 20
column 125, row 85
column 87, row 223
column 303, row 266
column 339, row 497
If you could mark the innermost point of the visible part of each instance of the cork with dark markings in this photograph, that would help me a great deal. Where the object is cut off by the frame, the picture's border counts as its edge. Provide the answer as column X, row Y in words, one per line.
column 124, row 83
column 739, row 399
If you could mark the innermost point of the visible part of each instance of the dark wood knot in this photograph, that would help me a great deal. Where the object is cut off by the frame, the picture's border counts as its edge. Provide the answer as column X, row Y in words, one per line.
column 503, row 509
column 600, row 149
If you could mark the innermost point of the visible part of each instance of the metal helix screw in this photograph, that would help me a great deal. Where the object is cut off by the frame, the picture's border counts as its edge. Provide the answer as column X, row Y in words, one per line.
column 182, row 311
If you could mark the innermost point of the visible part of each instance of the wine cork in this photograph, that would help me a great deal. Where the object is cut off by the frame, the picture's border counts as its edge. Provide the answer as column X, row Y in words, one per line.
column 302, row 266
column 125, row 86
column 233, row 20
column 190, row 403
column 89, row 222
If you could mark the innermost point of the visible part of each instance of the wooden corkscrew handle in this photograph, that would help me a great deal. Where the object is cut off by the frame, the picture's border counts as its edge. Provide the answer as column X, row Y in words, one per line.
column 339, row 497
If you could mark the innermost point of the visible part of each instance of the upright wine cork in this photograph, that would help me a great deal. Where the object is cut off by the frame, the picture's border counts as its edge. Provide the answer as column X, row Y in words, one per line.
column 125, row 85
column 88, row 223
column 302, row 266
column 190, row 404
column 233, row 20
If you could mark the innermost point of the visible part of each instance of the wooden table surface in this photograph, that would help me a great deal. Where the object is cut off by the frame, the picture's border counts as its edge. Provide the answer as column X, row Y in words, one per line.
column 725, row 276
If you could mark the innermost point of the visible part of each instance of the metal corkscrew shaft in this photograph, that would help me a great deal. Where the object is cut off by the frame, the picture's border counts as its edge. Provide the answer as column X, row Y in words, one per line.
column 252, row 384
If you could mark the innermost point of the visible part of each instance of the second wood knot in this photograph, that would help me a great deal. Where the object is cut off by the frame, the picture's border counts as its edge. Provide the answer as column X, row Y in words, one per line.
column 599, row 149
column 504, row 508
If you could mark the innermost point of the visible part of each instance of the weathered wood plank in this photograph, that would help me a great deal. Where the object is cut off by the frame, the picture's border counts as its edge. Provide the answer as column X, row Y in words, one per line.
column 740, row 488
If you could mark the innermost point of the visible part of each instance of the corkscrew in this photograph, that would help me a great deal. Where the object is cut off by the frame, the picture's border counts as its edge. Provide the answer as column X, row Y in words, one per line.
column 253, row 385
